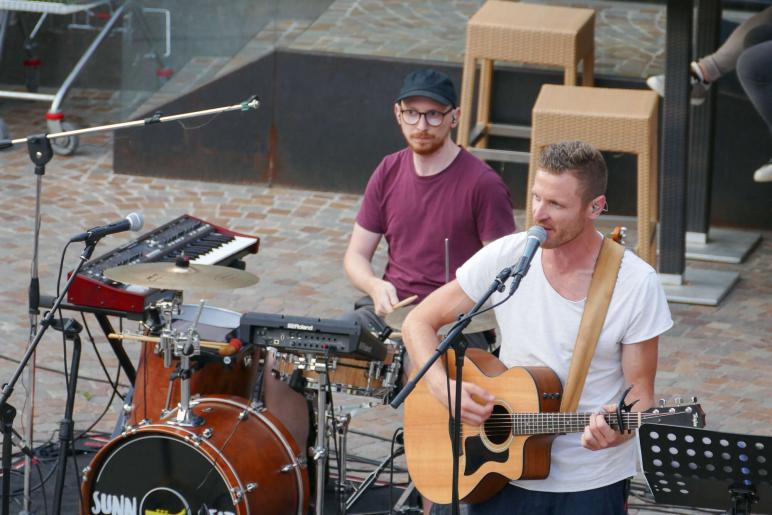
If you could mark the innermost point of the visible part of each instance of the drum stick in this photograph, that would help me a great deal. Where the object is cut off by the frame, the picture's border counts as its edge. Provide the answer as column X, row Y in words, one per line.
column 405, row 302
column 223, row 349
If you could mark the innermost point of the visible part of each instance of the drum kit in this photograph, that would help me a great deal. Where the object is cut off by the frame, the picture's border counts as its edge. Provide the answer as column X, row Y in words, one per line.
column 206, row 431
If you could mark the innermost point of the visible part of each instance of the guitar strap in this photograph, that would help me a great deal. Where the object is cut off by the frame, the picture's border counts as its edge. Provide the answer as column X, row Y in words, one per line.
column 604, row 277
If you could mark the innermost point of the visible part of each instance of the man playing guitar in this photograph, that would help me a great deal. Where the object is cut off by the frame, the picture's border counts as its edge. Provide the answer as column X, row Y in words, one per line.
column 539, row 325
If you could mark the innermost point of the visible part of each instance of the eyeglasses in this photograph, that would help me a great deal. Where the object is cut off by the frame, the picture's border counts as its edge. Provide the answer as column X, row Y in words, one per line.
column 433, row 118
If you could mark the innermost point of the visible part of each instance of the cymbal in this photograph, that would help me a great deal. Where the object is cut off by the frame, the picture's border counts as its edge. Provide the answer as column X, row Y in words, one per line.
column 479, row 323
column 173, row 276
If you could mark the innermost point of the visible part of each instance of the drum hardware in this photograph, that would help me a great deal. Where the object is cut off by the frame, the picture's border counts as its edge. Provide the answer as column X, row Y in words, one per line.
column 320, row 452
column 371, row 478
column 340, row 424
column 223, row 349
column 402, row 504
column 183, row 345
column 300, row 462
column 376, row 378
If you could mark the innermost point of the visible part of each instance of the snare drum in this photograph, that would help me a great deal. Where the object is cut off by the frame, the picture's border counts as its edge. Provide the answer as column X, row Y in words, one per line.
column 240, row 461
column 347, row 375
column 155, row 390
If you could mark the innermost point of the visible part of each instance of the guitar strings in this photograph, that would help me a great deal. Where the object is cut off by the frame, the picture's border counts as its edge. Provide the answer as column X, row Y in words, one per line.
column 575, row 418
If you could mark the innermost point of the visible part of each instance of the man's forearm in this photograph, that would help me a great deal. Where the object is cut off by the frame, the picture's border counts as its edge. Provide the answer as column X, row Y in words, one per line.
column 360, row 272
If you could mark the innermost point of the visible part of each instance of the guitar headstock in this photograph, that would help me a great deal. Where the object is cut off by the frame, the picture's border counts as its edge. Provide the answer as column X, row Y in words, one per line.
column 677, row 413
column 619, row 234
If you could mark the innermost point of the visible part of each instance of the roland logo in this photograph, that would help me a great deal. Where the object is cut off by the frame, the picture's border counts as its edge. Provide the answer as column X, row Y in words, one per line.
column 300, row 327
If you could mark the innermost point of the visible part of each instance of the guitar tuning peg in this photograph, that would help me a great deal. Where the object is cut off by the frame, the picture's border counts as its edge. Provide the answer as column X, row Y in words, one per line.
column 693, row 400
column 678, row 401
column 661, row 403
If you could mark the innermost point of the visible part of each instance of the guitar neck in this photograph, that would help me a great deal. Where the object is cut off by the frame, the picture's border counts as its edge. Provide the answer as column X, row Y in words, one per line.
column 551, row 423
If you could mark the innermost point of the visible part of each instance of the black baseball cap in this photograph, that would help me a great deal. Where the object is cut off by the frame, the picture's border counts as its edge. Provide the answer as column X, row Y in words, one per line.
column 430, row 84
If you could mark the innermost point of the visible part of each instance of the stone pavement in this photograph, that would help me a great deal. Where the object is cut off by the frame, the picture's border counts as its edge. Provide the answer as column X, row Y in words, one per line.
column 720, row 354
column 629, row 36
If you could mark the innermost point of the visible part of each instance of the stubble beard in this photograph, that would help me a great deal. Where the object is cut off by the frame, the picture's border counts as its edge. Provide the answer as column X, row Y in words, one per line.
column 425, row 147
column 562, row 236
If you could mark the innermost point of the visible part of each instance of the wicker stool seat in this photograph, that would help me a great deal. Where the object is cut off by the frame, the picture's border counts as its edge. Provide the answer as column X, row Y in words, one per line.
column 615, row 120
column 519, row 33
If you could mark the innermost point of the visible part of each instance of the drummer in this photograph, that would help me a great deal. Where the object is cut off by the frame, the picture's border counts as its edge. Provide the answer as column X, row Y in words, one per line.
column 429, row 192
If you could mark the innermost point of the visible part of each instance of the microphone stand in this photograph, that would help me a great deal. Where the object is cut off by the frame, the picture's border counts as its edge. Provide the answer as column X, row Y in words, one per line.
column 40, row 152
column 453, row 339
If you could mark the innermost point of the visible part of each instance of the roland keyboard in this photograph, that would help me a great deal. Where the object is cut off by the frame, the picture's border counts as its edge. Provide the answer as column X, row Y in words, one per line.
column 202, row 242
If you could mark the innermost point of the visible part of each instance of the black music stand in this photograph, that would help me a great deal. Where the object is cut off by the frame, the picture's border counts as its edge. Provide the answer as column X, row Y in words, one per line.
column 707, row 469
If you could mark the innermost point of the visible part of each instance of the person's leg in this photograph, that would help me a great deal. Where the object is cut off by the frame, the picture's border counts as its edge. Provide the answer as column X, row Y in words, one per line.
column 606, row 500
column 513, row 500
column 724, row 60
column 754, row 69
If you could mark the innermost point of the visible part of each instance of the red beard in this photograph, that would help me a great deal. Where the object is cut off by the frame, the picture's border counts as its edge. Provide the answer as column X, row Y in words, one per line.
column 423, row 143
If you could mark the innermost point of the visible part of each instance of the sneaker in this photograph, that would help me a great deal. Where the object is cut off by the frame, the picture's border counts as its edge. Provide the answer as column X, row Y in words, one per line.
column 764, row 173
column 699, row 90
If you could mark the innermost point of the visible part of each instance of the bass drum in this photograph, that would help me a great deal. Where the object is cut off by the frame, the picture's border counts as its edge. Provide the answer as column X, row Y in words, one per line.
column 239, row 461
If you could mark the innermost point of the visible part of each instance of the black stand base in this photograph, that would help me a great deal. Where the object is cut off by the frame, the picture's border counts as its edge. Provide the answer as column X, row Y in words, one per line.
column 71, row 330
column 7, row 414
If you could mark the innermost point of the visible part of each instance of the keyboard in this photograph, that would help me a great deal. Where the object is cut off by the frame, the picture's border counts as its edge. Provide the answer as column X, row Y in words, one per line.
column 202, row 242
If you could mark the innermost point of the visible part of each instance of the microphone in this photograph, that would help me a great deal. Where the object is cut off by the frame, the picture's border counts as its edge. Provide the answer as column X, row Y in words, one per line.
column 133, row 222
column 536, row 236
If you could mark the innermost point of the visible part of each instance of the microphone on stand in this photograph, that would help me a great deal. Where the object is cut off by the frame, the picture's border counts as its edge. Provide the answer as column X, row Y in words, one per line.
column 132, row 222
column 536, row 236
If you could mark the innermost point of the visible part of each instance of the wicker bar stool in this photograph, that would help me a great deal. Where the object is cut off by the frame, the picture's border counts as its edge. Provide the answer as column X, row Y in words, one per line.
column 521, row 33
column 615, row 120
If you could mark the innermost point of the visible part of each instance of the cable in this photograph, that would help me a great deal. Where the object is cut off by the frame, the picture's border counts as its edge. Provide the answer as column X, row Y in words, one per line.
column 113, row 385
column 104, row 412
column 43, row 490
column 58, row 292
column 56, row 371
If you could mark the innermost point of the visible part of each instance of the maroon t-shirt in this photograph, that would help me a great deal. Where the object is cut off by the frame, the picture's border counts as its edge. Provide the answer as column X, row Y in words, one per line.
column 467, row 203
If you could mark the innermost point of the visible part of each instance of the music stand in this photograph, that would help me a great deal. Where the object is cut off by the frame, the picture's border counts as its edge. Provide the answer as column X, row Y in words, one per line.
column 707, row 469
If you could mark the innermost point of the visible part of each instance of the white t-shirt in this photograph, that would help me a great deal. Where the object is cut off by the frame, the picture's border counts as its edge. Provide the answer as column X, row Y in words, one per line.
column 539, row 328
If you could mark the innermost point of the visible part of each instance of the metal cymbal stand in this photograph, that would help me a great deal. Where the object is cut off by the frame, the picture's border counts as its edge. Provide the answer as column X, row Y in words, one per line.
column 320, row 451
column 185, row 346
column 341, row 428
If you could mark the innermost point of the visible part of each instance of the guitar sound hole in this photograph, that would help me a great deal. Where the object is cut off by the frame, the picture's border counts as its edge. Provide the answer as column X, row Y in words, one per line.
column 499, row 426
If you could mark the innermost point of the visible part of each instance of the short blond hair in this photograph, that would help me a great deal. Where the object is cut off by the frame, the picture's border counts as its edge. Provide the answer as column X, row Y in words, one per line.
column 581, row 159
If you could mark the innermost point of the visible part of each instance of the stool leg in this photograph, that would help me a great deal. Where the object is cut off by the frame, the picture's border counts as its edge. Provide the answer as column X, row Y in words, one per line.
column 588, row 69
column 569, row 76
column 653, row 193
column 646, row 249
column 535, row 151
column 484, row 100
column 467, row 85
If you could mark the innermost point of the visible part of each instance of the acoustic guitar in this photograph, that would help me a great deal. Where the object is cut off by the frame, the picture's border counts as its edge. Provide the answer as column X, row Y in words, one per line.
column 515, row 442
